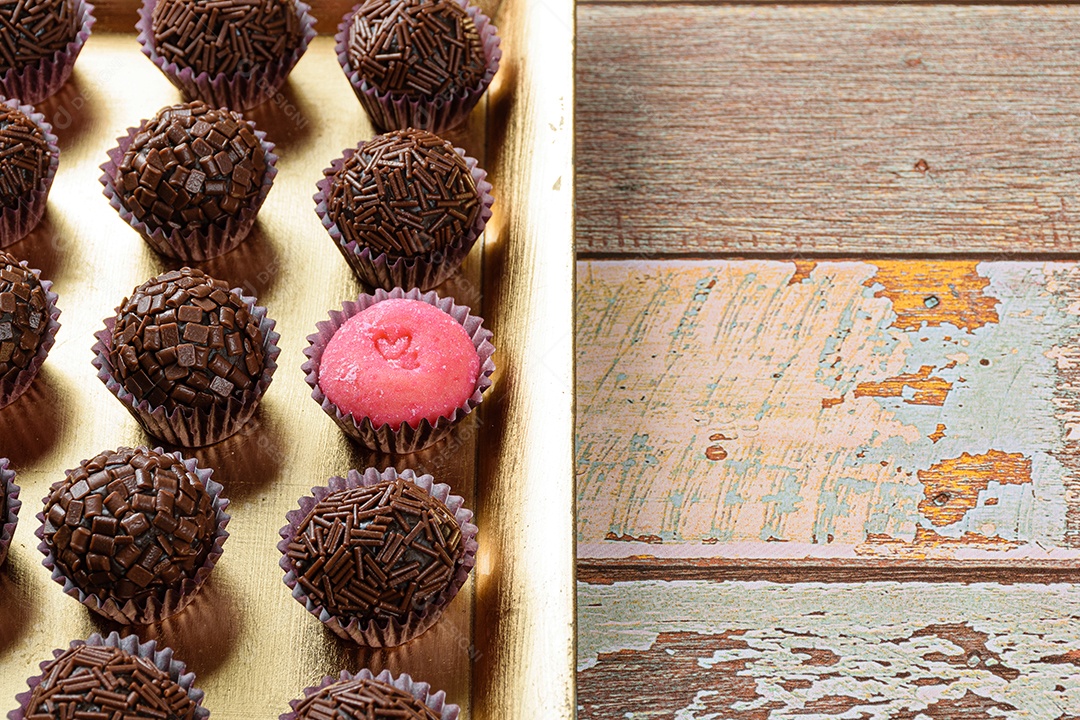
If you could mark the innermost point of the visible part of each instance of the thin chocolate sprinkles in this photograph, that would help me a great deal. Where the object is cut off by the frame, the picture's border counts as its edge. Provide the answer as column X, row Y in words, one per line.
column 184, row 339
column 405, row 193
column 191, row 166
column 23, row 317
column 419, row 48
column 360, row 699
column 130, row 524
column 24, row 154
column 225, row 36
column 382, row 551
column 31, row 30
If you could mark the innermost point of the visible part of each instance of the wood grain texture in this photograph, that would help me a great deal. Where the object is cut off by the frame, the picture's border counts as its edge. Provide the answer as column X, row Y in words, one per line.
column 878, row 651
column 874, row 411
column 907, row 129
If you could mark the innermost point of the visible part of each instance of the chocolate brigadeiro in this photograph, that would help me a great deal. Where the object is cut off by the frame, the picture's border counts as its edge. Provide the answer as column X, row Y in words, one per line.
column 135, row 532
column 27, row 326
column 361, row 698
column 33, row 30
column 24, row 155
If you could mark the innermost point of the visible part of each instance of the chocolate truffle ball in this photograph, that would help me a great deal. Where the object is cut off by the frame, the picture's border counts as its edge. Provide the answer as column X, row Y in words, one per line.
column 422, row 49
column 185, row 340
column 98, row 681
column 227, row 37
column 405, row 193
column 35, row 29
column 129, row 525
column 23, row 317
column 360, row 699
column 191, row 166
column 382, row 551
column 24, row 155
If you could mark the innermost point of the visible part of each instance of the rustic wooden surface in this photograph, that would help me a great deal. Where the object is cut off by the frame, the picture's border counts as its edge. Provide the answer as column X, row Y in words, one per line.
column 898, row 128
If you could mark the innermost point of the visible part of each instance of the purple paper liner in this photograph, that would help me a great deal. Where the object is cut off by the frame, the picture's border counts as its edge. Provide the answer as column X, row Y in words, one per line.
column 241, row 90
column 193, row 244
column 37, row 81
column 10, row 390
column 176, row 598
column 17, row 222
column 163, row 659
column 422, row 271
column 10, row 519
column 385, row 632
column 391, row 111
column 419, row 690
column 190, row 427
column 406, row 439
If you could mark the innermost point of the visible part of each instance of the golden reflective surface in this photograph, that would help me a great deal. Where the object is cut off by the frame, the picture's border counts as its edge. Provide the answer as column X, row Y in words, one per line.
column 251, row 645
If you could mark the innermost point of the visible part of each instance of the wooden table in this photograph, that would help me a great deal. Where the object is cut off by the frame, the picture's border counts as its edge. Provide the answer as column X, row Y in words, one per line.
column 828, row 361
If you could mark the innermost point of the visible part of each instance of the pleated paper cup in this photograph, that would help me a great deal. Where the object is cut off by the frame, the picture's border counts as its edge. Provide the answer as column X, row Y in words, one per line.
column 17, row 222
column 34, row 82
column 436, row 701
column 10, row 519
column 11, row 388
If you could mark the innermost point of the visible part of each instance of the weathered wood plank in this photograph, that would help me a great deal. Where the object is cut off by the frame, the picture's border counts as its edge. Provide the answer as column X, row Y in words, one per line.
column 877, row 651
column 883, row 411
column 828, row 129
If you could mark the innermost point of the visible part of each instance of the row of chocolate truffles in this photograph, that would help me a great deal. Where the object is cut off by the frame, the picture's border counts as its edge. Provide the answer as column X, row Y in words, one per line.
column 411, row 63
column 121, row 677
column 133, row 534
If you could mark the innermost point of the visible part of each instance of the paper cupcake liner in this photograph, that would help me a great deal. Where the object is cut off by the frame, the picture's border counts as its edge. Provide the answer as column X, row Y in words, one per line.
column 10, row 518
column 176, row 598
column 12, row 388
column 390, row 111
column 163, row 659
column 37, row 81
column 195, row 244
column 406, row 439
column 423, row 271
column 419, row 690
column 240, row 91
column 17, row 222
column 385, row 632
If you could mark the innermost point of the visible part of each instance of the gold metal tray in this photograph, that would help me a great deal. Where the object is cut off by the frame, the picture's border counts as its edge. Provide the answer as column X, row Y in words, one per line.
column 505, row 648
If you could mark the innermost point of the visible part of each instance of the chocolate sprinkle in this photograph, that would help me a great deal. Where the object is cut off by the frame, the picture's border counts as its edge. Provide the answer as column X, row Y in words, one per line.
column 191, row 166
column 105, row 683
column 183, row 339
column 404, row 193
column 31, row 30
column 130, row 525
column 382, row 551
column 24, row 317
column 225, row 36
column 362, row 700
column 427, row 49
column 24, row 155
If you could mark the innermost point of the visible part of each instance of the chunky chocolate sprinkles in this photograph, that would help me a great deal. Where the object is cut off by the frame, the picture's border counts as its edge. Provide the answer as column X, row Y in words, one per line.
column 382, row 551
column 225, row 36
column 31, row 30
column 24, row 155
column 24, row 316
column 360, row 699
column 191, row 166
column 105, row 683
column 425, row 49
column 129, row 525
column 183, row 339
column 404, row 193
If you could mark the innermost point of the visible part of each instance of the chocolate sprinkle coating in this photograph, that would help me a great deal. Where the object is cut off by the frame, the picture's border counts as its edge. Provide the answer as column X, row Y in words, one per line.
column 363, row 700
column 92, row 682
column 382, row 551
column 191, row 166
column 130, row 525
column 225, row 36
column 32, row 30
column 425, row 49
column 24, row 155
column 24, row 316
column 184, row 339
column 404, row 193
